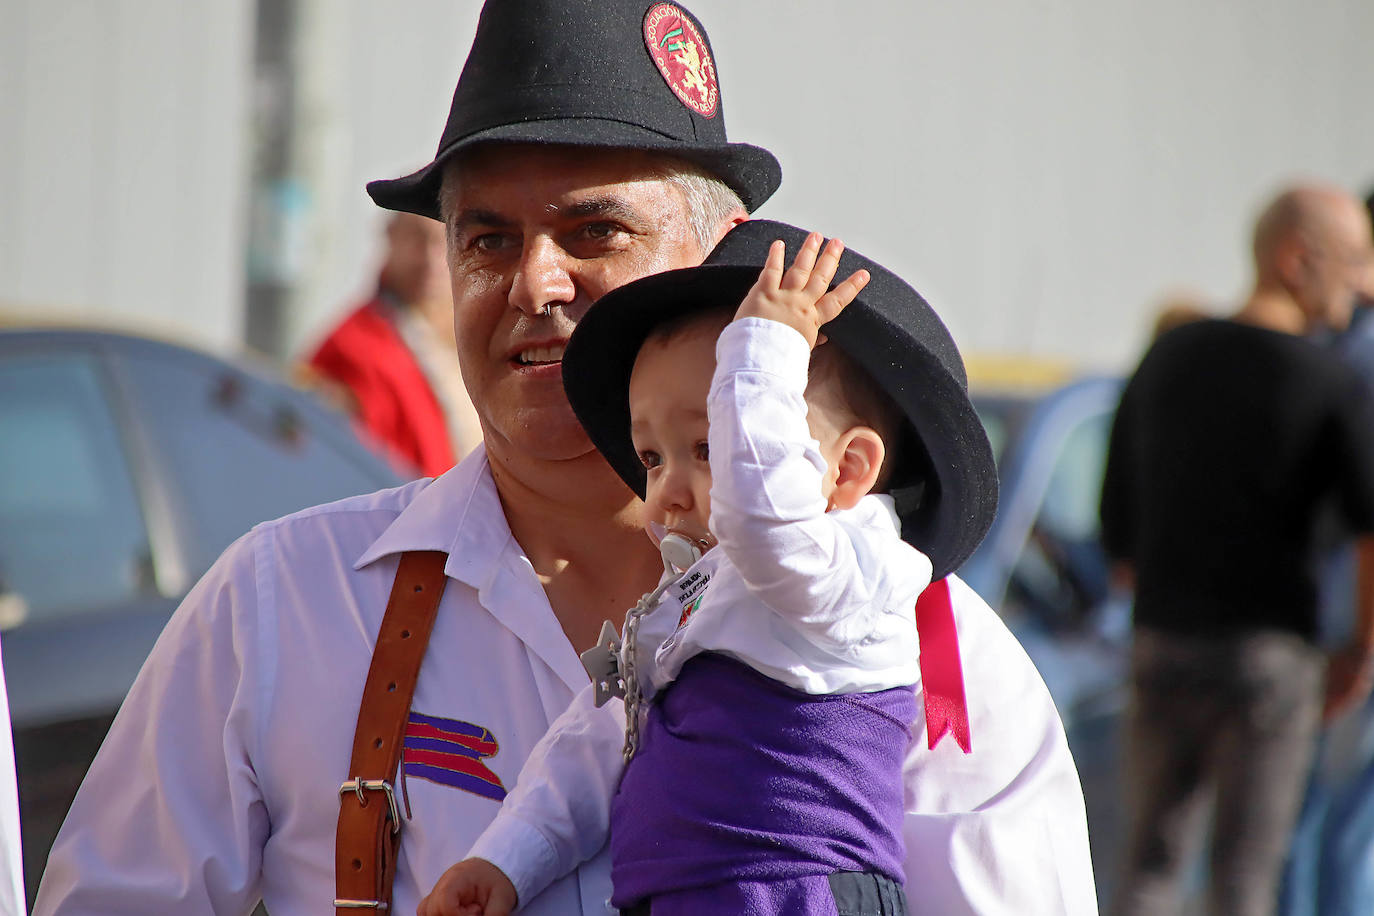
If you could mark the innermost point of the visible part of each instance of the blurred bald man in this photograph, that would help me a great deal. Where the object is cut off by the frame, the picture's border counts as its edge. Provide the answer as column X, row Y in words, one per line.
column 391, row 362
column 1356, row 343
column 1232, row 437
column 1312, row 260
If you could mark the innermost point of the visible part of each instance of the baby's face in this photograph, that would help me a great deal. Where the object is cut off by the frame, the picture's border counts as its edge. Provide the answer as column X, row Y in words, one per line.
column 668, row 392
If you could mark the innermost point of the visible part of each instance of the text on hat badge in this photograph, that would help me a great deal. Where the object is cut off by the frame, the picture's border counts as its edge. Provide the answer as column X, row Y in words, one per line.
column 680, row 51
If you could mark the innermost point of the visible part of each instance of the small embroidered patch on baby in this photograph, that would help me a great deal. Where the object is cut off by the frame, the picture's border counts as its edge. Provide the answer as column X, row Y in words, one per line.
column 689, row 592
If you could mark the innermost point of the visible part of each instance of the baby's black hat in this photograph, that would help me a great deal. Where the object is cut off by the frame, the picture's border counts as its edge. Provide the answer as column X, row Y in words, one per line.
column 945, row 490
column 623, row 74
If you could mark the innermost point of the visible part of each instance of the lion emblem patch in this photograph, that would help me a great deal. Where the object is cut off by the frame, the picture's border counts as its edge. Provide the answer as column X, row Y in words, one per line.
column 678, row 48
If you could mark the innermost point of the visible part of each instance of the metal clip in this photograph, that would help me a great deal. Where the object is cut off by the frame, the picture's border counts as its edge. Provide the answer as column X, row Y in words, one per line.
column 602, row 662
column 374, row 785
column 341, row 903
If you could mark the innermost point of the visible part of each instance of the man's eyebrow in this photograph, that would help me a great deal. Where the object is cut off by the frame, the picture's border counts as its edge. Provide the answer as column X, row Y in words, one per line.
column 606, row 205
column 476, row 216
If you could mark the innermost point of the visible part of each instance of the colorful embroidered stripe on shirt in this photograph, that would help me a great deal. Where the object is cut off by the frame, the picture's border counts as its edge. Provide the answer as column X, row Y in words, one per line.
column 450, row 752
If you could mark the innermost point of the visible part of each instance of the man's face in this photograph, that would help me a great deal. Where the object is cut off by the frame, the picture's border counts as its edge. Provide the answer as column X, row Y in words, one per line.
column 537, row 234
column 1338, row 263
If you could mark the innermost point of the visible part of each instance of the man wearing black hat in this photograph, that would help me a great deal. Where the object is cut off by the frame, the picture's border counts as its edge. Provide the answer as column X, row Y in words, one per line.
column 284, row 742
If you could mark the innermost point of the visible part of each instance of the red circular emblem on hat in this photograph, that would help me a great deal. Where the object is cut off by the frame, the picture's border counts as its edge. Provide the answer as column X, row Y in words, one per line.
column 678, row 48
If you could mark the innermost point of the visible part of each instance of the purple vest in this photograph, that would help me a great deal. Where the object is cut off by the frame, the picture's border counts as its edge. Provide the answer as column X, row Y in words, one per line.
column 746, row 794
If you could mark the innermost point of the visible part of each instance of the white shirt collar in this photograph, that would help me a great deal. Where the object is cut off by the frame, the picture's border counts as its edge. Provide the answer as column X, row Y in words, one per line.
column 459, row 513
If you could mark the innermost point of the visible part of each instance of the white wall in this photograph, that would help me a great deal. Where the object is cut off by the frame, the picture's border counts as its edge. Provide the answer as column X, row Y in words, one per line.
column 123, row 160
column 1043, row 172
column 380, row 90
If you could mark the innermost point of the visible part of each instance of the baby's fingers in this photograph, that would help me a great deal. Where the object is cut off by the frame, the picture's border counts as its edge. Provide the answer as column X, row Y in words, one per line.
column 834, row 302
column 770, row 278
column 824, row 271
column 457, row 893
column 799, row 274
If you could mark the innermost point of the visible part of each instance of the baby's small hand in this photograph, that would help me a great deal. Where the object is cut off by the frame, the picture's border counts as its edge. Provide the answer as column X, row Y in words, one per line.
column 801, row 297
column 473, row 887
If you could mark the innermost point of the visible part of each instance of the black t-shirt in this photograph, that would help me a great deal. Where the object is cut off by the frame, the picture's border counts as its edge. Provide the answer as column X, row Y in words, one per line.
column 1229, row 443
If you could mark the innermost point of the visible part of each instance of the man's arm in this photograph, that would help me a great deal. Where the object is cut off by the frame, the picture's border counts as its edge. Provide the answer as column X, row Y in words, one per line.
column 1350, row 669
column 11, row 853
column 1116, row 505
column 170, row 818
column 1001, row 831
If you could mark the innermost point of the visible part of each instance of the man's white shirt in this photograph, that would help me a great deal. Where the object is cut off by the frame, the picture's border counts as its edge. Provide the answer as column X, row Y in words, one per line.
column 219, row 780
column 12, row 900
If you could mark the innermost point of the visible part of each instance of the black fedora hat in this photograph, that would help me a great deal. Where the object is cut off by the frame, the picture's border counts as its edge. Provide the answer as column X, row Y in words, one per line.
column 627, row 74
column 945, row 482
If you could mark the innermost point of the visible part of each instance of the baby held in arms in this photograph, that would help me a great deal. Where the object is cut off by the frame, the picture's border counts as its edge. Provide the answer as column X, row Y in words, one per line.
column 755, row 763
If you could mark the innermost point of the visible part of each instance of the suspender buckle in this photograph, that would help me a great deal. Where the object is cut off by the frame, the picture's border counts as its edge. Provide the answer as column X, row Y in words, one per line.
column 359, row 786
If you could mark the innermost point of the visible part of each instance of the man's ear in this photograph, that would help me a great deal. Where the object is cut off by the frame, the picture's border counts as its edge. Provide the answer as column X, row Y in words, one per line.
column 734, row 219
column 860, row 459
column 1292, row 262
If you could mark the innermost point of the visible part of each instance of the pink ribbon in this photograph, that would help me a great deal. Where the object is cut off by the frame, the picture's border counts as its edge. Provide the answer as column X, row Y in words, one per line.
column 942, row 675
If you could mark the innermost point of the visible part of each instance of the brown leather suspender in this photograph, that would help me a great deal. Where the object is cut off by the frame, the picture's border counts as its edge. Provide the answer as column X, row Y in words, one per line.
column 369, row 833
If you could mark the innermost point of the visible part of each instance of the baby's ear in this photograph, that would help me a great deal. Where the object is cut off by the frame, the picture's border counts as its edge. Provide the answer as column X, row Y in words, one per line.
column 861, row 458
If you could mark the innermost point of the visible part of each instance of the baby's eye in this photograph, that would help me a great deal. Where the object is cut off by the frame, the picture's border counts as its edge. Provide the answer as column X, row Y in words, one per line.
column 702, row 451
column 650, row 460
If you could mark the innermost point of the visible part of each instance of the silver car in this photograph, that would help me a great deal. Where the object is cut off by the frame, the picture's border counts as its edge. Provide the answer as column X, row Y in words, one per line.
column 126, row 466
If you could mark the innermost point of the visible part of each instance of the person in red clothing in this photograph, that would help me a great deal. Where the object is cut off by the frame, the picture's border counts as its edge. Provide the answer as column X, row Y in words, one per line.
column 391, row 362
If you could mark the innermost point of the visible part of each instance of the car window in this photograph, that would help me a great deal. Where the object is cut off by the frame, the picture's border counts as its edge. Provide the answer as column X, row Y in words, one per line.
column 239, row 450
column 996, row 427
column 1075, row 486
column 1061, row 574
column 1002, row 417
column 71, row 531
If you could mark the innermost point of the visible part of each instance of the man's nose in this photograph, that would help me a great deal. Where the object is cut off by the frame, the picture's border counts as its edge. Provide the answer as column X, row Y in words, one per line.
column 1365, row 280
column 543, row 277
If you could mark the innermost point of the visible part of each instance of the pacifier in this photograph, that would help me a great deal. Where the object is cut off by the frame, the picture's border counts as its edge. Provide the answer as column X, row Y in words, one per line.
column 678, row 551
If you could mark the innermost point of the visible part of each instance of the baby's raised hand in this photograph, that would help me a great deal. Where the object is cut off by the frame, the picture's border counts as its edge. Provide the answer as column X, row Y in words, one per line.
column 800, row 297
column 473, row 887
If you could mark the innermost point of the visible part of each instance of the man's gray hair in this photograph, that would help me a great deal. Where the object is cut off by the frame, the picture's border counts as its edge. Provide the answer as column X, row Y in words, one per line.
column 709, row 200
